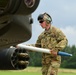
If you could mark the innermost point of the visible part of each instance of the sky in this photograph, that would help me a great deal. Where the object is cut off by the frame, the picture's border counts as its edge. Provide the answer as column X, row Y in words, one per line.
column 63, row 13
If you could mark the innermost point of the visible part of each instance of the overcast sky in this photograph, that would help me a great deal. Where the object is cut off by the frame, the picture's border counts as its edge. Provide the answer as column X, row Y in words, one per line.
column 63, row 13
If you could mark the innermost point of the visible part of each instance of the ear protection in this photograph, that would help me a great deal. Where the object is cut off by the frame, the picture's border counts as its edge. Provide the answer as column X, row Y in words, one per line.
column 47, row 18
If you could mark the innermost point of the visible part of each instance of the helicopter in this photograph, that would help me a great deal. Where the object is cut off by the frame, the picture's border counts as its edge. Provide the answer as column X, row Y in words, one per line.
column 15, row 27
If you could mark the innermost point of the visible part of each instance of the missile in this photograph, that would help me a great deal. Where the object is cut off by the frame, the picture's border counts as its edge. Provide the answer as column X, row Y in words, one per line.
column 42, row 50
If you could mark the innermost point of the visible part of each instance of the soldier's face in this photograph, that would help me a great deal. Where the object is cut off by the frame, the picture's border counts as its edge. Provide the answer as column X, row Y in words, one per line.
column 43, row 24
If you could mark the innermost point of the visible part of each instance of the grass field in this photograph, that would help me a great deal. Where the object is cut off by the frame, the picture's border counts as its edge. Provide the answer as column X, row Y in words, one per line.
column 36, row 71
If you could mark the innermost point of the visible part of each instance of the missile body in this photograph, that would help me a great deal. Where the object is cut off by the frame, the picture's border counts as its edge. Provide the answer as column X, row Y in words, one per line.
column 31, row 48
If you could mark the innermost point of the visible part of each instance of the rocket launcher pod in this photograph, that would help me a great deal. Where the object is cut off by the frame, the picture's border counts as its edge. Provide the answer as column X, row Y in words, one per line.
column 13, row 59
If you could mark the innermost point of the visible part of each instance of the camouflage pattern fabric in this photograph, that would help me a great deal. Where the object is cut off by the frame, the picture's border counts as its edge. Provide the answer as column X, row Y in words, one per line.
column 51, row 68
column 52, row 39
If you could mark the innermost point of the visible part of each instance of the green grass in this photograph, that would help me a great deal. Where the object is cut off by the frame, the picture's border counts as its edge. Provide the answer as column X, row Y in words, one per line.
column 64, row 73
column 19, row 73
column 36, row 71
column 30, row 73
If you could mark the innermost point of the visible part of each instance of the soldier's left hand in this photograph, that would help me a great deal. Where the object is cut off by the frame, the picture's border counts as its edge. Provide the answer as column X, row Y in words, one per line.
column 54, row 53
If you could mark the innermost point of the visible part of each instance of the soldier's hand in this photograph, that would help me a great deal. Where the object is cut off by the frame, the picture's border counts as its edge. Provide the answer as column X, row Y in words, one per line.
column 54, row 53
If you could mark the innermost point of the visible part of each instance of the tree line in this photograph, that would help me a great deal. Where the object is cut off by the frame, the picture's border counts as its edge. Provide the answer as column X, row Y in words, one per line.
column 67, row 61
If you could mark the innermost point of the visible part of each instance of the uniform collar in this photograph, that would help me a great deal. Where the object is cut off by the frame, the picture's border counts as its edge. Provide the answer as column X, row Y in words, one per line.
column 48, row 31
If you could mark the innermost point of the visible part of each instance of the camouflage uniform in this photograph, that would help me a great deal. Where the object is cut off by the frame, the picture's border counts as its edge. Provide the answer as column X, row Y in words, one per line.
column 51, row 39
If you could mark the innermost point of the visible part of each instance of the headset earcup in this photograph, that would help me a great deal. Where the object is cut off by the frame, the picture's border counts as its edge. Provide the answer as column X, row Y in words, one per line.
column 47, row 21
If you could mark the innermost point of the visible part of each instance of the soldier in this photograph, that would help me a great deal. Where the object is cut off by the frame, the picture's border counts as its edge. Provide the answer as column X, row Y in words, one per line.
column 51, row 38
